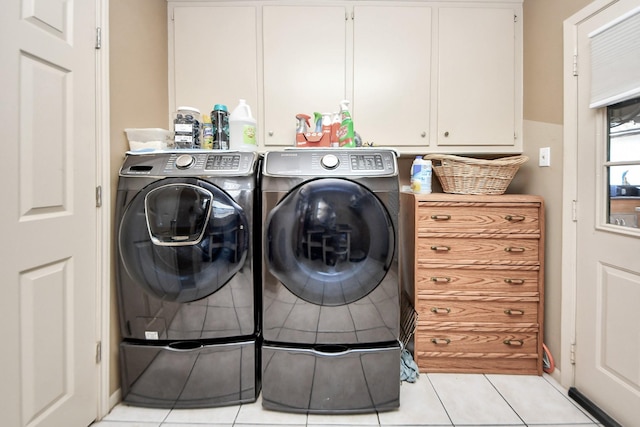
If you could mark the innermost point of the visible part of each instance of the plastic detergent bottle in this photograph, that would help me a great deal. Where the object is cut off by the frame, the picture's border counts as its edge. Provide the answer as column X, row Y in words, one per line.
column 242, row 128
column 421, row 176
column 207, row 132
column 345, row 133
column 220, row 121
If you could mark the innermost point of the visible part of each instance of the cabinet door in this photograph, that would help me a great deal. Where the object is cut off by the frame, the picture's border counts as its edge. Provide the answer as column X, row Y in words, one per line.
column 213, row 56
column 478, row 77
column 391, row 80
column 304, row 51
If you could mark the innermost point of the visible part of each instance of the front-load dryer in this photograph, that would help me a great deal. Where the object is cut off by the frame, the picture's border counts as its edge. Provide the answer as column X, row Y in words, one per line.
column 186, row 278
column 331, row 305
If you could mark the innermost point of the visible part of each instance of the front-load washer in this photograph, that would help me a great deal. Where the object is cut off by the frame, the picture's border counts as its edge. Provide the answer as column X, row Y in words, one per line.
column 331, row 305
column 186, row 278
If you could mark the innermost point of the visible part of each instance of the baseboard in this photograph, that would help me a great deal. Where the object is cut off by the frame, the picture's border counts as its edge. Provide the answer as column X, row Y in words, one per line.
column 115, row 398
column 592, row 408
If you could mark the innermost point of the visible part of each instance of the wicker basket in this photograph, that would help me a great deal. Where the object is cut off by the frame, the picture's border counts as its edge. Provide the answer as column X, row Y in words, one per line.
column 466, row 175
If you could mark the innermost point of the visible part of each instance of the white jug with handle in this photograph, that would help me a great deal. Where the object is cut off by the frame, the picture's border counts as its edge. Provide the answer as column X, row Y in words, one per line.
column 242, row 128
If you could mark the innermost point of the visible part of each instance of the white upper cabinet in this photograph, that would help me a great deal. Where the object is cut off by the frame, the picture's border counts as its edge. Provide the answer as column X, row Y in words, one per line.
column 479, row 79
column 304, row 57
column 392, row 74
column 422, row 76
column 212, row 56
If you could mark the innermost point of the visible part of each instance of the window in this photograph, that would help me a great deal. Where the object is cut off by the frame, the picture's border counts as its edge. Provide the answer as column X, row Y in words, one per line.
column 623, row 163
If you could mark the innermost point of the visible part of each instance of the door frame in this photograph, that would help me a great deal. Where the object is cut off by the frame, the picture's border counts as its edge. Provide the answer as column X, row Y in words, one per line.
column 103, row 179
column 570, row 190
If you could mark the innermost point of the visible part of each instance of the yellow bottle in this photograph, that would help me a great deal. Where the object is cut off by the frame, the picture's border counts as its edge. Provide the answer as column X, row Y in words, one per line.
column 207, row 132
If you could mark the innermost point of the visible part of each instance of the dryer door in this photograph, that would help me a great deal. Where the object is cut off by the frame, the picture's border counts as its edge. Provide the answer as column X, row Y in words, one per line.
column 329, row 241
column 182, row 239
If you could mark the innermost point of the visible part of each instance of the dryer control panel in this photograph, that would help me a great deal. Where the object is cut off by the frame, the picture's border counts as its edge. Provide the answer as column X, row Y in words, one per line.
column 331, row 162
column 190, row 163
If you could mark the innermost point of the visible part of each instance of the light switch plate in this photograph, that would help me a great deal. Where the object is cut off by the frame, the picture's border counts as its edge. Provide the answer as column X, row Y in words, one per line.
column 545, row 157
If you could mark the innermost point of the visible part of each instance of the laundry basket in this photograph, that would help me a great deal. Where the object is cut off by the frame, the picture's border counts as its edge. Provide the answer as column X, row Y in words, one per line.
column 466, row 175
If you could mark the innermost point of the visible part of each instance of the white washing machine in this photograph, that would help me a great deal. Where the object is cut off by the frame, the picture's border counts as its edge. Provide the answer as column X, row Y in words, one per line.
column 186, row 278
column 331, row 304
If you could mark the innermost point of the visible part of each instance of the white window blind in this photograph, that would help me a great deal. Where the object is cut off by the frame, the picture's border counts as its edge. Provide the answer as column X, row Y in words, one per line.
column 615, row 61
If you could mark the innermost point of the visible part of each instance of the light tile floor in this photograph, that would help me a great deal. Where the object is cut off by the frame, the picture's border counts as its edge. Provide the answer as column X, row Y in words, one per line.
column 434, row 400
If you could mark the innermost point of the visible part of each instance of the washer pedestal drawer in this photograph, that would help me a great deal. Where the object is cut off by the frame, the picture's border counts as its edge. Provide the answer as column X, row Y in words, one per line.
column 189, row 374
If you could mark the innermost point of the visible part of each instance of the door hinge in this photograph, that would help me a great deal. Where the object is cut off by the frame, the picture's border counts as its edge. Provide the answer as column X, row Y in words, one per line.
column 575, row 64
column 574, row 210
column 98, row 38
column 572, row 353
column 98, row 196
column 99, row 352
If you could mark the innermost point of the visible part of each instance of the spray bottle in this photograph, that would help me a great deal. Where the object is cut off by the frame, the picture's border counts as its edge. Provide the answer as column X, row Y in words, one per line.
column 345, row 133
column 301, row 128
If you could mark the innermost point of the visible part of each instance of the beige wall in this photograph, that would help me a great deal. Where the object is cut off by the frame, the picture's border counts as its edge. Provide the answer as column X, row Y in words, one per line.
column 139, row 98
column 138, row 95
column 543, row 119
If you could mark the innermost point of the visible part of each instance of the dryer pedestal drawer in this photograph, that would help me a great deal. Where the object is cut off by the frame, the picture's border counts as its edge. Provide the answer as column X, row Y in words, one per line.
column 473, row 265
column 312, row 380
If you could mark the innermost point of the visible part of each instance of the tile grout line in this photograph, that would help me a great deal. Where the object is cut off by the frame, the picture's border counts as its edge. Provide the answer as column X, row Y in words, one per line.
column 435, row 390
column 524, row 423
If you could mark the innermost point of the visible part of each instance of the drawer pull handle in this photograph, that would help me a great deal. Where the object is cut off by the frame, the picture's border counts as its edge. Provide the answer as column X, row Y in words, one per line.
column 440, row 248
column 440, row 310
column 514, row 218
column 519, row 343
column 514, row 312
column 514, row 249
column 441, row 279
column 514, row 281
column 439, row 341
column 440, row 217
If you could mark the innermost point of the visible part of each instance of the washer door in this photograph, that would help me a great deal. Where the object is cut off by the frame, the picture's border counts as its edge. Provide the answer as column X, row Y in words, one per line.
column 182, row 239
column 329, row 241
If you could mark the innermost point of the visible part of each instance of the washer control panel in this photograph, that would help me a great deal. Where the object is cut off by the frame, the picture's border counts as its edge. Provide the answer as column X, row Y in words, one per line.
column 192, row 163
column 331, row 162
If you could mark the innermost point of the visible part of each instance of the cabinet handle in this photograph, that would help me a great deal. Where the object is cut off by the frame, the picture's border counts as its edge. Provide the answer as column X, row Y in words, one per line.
column 440, row 248
column 440, row 310
column 440, row 279
column 423, row 134
column 270, row 133
column 514, row 342
column 514, row 249
column 514, row 281
column 439, row 341
column 514, row 218
column 446, row 134
column 514, row 312
column 440, row 217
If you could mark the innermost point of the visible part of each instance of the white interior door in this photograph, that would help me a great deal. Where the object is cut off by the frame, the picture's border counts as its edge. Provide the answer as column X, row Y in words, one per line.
column 607, row 362
column 48, row 215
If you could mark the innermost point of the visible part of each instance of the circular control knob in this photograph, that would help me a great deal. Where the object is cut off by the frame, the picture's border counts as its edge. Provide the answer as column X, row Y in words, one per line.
column 330, row 161
column 184, row 161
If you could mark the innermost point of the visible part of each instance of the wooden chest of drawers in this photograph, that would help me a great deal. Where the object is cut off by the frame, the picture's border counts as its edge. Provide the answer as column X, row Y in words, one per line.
column 473, row 266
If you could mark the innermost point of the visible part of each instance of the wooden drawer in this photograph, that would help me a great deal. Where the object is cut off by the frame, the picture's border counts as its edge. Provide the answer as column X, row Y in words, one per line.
column 477, row 219
column 515, row 364
column 496, row 310
column 477, row 250
column 485, row 343
column 453, row 281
